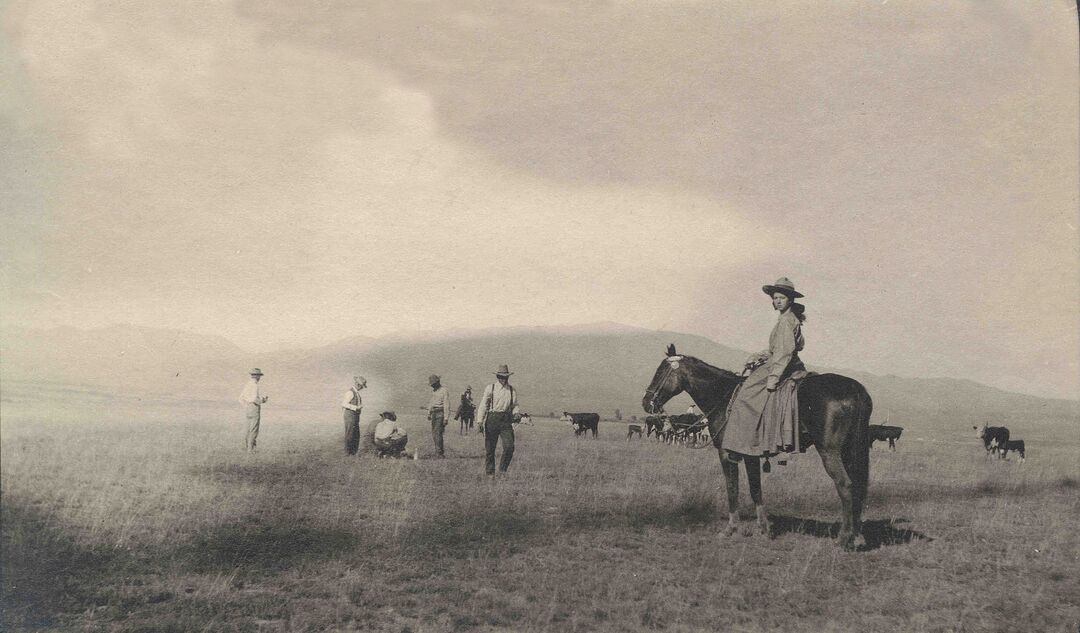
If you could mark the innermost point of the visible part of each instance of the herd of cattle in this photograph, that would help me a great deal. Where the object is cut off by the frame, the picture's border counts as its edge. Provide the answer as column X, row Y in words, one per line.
column 692, row 430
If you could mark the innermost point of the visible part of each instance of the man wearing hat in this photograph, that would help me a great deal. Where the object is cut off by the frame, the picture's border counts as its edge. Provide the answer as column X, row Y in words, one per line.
column 390, row 437
column 496, row 411
column 351, row 406
column 252, row 399
column 755, row 425
column 438, row 412
column 466, row 410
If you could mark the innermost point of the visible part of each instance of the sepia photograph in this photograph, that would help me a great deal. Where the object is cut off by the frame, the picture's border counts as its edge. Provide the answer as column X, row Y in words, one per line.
column 424, row 316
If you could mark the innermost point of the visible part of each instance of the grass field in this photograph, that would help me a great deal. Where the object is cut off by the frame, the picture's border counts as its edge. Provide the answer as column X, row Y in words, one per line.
column 134, row 517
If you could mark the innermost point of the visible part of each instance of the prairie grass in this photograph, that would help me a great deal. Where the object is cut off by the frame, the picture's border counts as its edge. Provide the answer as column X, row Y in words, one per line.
column 151, row 518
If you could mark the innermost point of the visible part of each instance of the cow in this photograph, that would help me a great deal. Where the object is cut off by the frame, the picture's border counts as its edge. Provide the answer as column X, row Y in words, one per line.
column 993, row 437
column 630, row 430
column 881, row 433
column 686, row 427
column 1012, row 445
column 521, row 418
column 654, row 425
column 583, row 421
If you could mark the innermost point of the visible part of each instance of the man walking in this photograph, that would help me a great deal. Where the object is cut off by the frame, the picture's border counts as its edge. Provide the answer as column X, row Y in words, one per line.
column 496, row 411
column 438, row 412
column 351, row 406
column 252, row 399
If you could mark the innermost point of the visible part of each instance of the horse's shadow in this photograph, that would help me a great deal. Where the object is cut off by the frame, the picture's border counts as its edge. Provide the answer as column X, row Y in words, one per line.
column 877, row 533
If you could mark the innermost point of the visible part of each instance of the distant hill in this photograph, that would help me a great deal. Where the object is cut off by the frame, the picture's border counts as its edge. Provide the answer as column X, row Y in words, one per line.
column 600, row 367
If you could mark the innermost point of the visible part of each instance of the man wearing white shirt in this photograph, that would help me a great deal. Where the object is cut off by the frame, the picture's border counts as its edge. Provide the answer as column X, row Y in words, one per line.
column 496, row 411
column 252, row 399
column 351, row 406
column 438, row 412
column 390, row 437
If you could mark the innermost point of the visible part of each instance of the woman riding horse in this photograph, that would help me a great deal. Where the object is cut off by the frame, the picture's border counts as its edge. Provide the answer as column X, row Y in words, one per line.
column 755, row 424
column 833, row 410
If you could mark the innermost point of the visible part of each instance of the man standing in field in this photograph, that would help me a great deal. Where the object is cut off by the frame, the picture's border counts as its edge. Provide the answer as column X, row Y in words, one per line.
column 438, row 412
column 496, row 411
column 252, row 399
column 351, row 406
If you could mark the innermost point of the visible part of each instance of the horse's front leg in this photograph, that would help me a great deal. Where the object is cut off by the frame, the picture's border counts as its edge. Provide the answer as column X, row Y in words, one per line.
column 753, row 476
column 731, row 481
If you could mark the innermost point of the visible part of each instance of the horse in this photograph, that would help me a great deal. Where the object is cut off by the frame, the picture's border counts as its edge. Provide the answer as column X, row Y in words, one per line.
column 467, row 414
column 834, row 410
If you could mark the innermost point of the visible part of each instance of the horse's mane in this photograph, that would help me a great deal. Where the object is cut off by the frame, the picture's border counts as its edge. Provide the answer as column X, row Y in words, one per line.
column 723, row 372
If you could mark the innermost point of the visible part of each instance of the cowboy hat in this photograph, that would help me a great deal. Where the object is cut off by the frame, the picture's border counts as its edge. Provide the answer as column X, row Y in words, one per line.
column 388, row 415
column 256, row 372
column 784, row 286
column 504, row 371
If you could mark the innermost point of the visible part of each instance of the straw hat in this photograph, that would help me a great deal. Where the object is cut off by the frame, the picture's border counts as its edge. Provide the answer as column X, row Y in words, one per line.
column 504, row 371
column 256, row 372
column 783, row 285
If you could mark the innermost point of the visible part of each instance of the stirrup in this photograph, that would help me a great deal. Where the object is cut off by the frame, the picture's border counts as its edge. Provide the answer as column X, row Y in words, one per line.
column 766, row 467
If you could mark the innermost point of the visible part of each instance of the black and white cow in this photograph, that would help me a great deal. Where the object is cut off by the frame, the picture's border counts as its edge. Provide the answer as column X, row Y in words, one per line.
column 881, row 433
column 583, row 421
column 1012, row 445
column 993, row 437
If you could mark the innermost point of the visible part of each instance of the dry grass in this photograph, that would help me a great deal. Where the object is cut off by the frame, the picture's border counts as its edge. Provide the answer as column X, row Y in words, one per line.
column 152, row 519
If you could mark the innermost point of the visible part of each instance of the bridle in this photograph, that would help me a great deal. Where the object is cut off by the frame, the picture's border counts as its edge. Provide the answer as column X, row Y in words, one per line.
column 672, row 365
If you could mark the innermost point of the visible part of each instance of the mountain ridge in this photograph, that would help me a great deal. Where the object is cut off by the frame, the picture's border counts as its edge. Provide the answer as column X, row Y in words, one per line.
column 600, row 366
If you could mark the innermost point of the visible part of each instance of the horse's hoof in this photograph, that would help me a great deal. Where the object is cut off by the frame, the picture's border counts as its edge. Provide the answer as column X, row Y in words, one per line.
column 728, row 531
column 846, row 541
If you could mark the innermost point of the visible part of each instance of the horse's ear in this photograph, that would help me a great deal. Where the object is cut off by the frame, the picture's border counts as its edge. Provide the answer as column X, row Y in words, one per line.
column 671, row 349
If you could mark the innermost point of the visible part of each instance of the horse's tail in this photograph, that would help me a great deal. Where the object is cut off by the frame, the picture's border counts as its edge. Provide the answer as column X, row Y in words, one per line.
column 857, row 449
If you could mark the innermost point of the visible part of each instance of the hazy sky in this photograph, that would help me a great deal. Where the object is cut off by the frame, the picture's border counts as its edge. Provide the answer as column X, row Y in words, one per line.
column 288, row 175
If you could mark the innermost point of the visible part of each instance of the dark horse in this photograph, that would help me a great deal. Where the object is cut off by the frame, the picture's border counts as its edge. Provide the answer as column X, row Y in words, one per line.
column 834, row 414
column 467, row 414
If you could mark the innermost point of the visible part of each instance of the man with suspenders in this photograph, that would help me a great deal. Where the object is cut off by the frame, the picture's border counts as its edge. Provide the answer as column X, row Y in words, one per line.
column 496, row 411
column 352, row 404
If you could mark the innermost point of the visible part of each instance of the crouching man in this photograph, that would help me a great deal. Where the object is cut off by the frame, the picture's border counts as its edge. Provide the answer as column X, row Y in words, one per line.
column 390, row 437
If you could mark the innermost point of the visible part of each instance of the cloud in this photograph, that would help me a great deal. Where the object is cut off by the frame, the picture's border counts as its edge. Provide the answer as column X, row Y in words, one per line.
column 278, row 173
column 246, row 177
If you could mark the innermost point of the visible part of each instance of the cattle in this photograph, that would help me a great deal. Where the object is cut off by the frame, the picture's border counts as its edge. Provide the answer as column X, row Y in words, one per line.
column 583, row 421
column 633, row 428
column 654, row 425
column 993, row 437
column 1012, row 445
column 881, row 433
column 521, row 418
column 686, row 427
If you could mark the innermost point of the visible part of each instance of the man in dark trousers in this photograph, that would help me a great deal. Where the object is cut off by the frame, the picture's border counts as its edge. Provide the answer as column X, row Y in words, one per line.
column 496, row 411
column 351, row 406
column 438, row 412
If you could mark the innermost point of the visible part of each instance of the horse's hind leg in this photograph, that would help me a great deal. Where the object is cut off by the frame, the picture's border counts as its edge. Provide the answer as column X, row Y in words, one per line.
column 834, row 465
column 753, row 476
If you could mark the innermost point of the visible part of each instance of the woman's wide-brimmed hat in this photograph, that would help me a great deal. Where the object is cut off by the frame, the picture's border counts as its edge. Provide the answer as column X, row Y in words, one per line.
column 256, row 372
column 503, row 371
column 783, row 285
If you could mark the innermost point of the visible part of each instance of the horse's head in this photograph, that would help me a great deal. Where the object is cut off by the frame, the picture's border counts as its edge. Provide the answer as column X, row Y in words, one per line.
column 667, row 382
